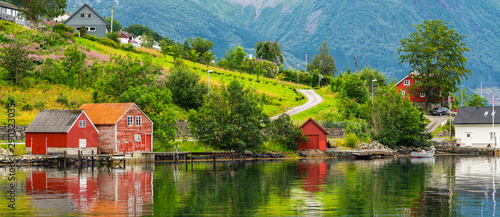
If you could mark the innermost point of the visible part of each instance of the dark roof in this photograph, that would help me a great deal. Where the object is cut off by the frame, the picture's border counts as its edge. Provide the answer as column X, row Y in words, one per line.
column 314, row 122
column 54, row 121
column 8, row 5
column 476, row 115
column 126, row 34
column 76, row 12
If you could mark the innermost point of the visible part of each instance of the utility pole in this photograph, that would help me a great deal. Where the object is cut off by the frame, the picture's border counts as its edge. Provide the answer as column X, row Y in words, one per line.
column 449, row 104
column 356, row 62
column 111, row 18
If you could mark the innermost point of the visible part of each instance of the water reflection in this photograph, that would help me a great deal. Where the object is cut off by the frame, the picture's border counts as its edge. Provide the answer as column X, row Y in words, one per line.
column 102, row 192
column 442, row 186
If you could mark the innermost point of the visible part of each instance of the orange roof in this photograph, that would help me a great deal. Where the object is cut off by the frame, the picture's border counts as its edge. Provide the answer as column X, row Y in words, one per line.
column 106, row 113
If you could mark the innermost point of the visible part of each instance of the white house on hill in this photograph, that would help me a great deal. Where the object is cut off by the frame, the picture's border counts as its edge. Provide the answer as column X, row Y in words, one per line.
column 477, row 126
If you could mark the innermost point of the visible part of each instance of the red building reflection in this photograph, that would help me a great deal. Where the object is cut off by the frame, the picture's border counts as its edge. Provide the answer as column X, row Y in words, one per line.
column 314, row 175
column 100, row 193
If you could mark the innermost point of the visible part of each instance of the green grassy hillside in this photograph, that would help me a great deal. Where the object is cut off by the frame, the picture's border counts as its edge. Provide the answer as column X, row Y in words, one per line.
column 35, row 94
column 369, row 29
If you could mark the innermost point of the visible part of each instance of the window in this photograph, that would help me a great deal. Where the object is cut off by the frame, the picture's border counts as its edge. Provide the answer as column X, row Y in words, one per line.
column 130, row 120
column 82, row 143
column 137, row 137
column 138, row 120
column 403, row 93
column 407, row 82
column 82, row 124
column 77, row 28
column 492, row 136
column 92, row 29
column 82, row 15
column 89, row 16
column 422, row 94
column 468, row 135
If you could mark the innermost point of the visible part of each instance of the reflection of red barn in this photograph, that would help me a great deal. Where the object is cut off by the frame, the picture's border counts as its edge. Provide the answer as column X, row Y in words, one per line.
column 316, row 135
column 56, row 131
column 123, row 127
column 314, row 174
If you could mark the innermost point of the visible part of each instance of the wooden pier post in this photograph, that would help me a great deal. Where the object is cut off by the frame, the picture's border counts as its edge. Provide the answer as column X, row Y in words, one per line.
column 65, row 156
column 80, row 158
column 92, row 159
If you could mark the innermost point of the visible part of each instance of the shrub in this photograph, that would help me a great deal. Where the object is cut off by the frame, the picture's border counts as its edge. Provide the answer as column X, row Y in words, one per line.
column 63, row 99
column 63, row 30
column 27, row 107
column 40, row 105
column 91, row 37
column 113, row 36
column 351, row 140
column 108, row 42
column 128, row 47
column 83, row 31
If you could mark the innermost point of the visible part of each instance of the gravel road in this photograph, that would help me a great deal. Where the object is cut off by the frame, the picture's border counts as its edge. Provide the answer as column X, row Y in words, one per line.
column 313, row 99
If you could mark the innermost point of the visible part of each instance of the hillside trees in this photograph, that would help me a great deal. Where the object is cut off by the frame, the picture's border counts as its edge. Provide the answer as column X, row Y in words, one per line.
column 116, row 25
column 435, row 52
column 138, row 29
column 33, row 9
column 200, row 49
column 187, row 90
column 323, row 62
column 14, row 59
column 394, row 120
column 233, row 58
column 230, row 119
column 269, row 51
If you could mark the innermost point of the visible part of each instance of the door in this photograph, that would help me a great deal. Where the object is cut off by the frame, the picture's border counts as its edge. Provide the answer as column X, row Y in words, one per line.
column 468, row 139
column 148, row 142
column 313, row 142
column 39, row 145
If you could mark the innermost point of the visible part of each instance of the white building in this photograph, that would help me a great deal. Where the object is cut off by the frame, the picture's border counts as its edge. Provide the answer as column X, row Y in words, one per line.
column 474, row 127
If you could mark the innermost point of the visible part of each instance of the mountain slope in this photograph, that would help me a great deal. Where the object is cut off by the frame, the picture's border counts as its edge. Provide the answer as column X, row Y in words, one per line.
column 369, row 29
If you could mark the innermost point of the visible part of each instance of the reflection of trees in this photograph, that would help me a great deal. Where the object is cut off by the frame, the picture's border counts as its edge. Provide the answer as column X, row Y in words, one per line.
column 243, row 191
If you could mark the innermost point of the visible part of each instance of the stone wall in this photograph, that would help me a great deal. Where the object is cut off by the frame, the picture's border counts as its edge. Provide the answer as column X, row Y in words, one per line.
column 452, row 148
column 20, row 135
column 335, row 132
column 183, row 129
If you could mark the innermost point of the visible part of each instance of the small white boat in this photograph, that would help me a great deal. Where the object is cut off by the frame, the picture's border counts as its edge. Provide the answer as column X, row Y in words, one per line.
column 422, row 154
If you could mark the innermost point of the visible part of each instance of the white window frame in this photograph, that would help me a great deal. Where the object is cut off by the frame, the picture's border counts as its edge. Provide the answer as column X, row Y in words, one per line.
column 492, row 138
column 84, row 16
column 82, row 124
column 407, row 82
column 403, row 92
column 138, row 121
column 130, row 121
column 137, row 137
column 422, row 94
column 89, row 16
column 82, row 143
column 90, row 29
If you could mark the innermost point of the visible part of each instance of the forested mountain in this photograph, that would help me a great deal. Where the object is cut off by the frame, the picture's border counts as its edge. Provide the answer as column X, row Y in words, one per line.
column 368, row 29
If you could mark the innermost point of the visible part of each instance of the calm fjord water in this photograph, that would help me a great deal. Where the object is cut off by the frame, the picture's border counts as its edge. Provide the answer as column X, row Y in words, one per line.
column 442, row 186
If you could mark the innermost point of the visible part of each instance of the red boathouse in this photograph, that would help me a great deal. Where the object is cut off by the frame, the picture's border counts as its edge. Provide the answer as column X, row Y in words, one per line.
column 56, row 131
column 316, row 135
column 123, row 127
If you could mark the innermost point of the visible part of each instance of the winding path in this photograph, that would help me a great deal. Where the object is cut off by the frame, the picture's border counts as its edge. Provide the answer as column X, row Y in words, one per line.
column 313, row 99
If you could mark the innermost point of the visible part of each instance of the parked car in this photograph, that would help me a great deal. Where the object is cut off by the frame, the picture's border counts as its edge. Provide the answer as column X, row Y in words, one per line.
column 440, row 111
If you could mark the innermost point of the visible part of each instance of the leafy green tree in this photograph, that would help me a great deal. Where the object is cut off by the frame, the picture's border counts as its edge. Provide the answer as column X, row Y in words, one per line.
column 435, row 52
column 73, row 64
column 156, row 102
column 34, row 9
column 282, row 131
column 147, row 41
column 113, row 36
column 14, row 59
column 323, row 62
column 353, row 88
column 83, row 31
column 367, row 74
column 230, row 119
column 233, row 58
column 116, row 25
column 123, row 73
column 395, row 121
column 269, row 51
column 476, row 100
column 187, row 90
column 201, row 46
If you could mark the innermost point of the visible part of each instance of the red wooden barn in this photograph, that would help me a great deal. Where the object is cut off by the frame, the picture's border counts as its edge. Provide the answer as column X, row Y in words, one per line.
column 123, row 127
column 316, row 135
column 56, row 131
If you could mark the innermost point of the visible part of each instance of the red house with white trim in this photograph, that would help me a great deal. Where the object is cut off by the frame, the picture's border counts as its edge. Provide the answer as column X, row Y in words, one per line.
column 123, row 127
column 418, row 99
column 316, row 136
column 56, row 131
